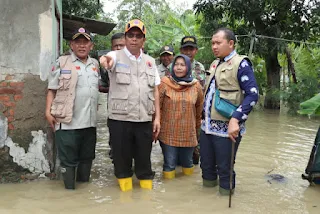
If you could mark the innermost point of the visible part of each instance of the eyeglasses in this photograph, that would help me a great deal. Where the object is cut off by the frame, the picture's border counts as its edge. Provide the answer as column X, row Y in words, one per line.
column 138, row 36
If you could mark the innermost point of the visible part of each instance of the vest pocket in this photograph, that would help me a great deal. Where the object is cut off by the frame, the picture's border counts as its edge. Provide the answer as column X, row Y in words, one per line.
column 151, row 108
column 123, row 76
column 151, row 78
column 64, row 81
column 119, row 103
column 58, row 107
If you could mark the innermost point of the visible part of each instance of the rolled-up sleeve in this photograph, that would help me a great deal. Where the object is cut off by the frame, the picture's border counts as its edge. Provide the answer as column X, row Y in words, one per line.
column 53, row 78
column 249, row 86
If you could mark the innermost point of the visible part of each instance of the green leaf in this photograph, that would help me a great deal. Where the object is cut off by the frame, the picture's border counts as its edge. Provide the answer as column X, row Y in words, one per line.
column 311, row 106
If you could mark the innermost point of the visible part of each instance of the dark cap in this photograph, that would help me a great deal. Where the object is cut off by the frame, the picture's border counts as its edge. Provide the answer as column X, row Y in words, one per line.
column 167, row 49
column 189, row 41
column 81, row 31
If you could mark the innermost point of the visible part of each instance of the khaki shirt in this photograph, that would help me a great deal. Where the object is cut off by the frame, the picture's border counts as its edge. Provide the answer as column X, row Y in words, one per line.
column 198, row 72
column 164, row 71
column 86, row 100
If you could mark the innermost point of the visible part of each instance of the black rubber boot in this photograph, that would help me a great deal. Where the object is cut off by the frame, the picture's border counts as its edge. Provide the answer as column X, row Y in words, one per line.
column 83, row 171
column 68, row 174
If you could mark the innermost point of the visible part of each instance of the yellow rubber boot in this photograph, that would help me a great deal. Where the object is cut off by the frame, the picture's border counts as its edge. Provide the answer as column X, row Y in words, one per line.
column 125, row 184
column 188, row 171
column 146, row 184
column 170, row 174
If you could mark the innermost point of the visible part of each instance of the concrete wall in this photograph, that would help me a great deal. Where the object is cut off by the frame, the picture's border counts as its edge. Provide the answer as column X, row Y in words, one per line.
column 25, row 60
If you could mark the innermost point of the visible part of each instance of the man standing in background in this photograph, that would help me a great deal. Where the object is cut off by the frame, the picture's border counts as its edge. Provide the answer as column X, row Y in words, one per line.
column 166, row 57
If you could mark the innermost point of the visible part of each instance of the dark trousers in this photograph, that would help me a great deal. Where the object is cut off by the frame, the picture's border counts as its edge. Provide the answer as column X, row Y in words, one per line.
column 215, row 155
column 76, row 146
column 131, row 140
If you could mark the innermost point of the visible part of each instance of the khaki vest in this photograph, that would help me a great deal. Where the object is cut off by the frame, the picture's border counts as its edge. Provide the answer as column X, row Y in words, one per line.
column 227, row 82
column 62, row 105
column 131, row 92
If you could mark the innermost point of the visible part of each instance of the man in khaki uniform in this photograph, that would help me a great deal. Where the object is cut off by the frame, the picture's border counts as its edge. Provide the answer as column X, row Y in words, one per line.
column 166, row 57
column 71, row 108
column 189, row 47
column 133, row 102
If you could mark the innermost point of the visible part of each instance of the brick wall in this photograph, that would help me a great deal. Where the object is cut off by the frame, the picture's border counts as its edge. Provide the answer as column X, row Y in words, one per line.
column 10, row 94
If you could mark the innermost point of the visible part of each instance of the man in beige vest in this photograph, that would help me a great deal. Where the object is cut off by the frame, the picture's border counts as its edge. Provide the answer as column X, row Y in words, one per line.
column 71, row 108
column 133, row 102
column 233, row 76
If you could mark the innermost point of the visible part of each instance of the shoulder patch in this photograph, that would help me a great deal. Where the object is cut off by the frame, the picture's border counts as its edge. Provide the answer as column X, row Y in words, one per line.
column 149, row 64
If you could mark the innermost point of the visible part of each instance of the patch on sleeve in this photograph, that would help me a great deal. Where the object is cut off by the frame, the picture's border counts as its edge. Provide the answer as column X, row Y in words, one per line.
column 149, row 64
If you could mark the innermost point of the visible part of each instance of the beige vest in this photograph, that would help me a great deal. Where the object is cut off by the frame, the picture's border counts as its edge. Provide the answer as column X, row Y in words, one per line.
column 131, row 92
column 227, row 82
column 62, row 105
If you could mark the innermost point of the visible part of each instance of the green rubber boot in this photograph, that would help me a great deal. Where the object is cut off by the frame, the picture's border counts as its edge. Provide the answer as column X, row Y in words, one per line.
column 68, row 174
column 225, row 191
column 207, row 183
column 83, row 171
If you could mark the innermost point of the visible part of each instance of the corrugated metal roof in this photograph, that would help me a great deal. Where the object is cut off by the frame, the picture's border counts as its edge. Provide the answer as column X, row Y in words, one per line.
column 72, row 23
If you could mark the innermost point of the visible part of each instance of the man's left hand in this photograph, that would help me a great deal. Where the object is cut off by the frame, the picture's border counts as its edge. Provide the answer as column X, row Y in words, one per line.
column 233, row 129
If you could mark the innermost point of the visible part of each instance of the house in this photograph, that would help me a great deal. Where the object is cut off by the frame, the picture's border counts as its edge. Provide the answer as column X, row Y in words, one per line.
column 31, row 40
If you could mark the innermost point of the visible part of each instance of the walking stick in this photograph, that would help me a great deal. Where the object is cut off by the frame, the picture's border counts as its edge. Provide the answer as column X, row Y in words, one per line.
column 231, row 171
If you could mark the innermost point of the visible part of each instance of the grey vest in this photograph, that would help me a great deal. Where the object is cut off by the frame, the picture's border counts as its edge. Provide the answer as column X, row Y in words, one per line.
column 131, row 92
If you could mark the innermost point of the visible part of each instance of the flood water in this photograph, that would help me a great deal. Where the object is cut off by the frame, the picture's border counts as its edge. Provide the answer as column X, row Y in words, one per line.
column 273, row 142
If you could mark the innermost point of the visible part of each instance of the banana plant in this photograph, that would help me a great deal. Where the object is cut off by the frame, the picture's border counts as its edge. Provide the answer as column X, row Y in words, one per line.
column 311, row 106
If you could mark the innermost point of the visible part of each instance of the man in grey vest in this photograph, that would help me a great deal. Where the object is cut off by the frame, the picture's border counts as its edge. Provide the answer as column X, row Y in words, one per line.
column 231, row 76
column 73, row 88
column 133, row 107
column 166, row 57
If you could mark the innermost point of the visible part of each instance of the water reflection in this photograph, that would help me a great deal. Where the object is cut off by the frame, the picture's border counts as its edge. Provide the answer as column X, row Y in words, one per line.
column 277, row 143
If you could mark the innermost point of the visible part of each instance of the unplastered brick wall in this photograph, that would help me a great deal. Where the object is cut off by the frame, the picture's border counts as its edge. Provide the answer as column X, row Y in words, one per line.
column 10, row 94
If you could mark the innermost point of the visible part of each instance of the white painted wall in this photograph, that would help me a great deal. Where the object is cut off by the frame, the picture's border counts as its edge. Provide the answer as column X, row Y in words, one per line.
column 46, row 40
column 34, row 159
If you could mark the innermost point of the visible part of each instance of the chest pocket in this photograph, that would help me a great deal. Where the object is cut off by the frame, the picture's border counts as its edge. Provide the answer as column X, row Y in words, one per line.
column 93, row 79
column 123, row 75
column 151, row 77
column 227, row 79
column 64, row 81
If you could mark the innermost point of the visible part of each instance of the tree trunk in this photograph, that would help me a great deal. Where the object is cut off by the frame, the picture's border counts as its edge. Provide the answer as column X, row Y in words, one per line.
column 291, row 69
column 272, row 99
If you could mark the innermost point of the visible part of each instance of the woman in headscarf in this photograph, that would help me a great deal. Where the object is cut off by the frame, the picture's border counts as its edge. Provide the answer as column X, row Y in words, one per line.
column 181, row 99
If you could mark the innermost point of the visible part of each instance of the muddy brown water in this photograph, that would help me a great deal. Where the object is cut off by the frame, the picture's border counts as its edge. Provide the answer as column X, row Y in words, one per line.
column 273, row 141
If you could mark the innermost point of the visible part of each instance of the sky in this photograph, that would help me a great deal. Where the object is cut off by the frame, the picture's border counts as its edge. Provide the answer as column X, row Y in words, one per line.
column 110, row 5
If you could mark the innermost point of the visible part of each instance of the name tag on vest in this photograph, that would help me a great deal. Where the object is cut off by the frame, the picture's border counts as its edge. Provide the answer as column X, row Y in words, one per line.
column 65, row 72
column 123, row 66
